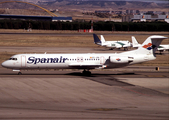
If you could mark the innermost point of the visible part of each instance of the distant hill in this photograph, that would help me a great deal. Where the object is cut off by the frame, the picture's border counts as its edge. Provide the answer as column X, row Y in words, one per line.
column 76, row 7
column 98, row 3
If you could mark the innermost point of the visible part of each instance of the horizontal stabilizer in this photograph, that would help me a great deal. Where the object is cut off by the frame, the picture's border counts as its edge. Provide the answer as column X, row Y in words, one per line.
column 151, row 44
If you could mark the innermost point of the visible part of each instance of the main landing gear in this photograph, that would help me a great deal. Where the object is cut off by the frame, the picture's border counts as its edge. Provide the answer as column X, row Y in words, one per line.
column 125, row 48
column 88, row 73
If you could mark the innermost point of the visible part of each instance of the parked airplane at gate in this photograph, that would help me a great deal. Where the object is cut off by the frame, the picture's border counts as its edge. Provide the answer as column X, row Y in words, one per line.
column 85, row 61
column 111, row 44
column 161, row 48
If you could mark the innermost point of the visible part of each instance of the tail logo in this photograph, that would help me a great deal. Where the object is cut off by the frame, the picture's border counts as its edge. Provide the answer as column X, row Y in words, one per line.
column 118, row 59
column 149, row 46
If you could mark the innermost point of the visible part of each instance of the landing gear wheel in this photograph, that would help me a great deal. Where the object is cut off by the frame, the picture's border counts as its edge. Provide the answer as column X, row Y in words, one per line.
column 19, row 73
column 125, row 48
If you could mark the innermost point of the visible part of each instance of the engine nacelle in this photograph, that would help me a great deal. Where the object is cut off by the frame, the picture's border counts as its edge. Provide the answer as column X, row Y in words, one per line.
column 120, row 59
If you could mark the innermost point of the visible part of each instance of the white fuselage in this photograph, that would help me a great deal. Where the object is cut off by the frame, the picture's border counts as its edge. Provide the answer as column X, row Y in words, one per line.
column 163, row 48
column 116, row 44
column 73, row 61
column 88, row 61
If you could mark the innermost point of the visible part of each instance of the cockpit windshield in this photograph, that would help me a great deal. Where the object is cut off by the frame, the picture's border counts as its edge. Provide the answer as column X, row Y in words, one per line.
column 12, row 58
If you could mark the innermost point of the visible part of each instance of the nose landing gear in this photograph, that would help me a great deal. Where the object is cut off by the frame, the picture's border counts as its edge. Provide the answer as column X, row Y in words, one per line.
column 19, row 73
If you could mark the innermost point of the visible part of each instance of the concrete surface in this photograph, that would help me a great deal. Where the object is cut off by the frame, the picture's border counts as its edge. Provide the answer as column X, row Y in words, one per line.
column 106, row 95
column 161, row 85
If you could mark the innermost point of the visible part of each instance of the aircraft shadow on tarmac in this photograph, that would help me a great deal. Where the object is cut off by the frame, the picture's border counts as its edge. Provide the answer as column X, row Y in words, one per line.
column 102, row 78
column 105, row 78
column 98, row 74
column 73, row 74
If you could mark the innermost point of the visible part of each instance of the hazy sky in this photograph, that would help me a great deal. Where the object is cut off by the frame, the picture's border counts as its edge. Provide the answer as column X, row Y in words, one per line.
column 157, row 1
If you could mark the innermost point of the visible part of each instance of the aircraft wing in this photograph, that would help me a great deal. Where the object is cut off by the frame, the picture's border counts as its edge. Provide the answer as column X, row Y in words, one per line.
column 120, row 44
column 85, row 66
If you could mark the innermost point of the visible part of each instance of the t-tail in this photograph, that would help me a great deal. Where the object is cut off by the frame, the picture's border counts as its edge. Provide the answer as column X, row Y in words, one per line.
column 146, row 51
column 151, row 44
column 97, row 40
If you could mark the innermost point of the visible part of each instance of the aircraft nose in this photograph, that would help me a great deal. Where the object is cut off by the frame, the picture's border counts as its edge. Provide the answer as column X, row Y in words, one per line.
column 4, row 64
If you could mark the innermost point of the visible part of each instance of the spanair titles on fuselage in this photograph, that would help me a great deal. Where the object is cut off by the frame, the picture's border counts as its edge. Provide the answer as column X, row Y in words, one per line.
column 34, row 60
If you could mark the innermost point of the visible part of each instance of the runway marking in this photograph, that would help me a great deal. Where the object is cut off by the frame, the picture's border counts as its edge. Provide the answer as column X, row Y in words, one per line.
column 155, row 76
column 136, row 92
column 109, row 81
column 104, row 109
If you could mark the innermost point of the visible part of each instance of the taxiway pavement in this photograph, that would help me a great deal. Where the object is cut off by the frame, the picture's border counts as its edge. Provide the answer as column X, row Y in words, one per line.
column 48, row 95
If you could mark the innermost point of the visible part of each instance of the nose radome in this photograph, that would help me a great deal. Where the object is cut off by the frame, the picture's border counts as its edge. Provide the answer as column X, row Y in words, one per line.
column 4, row 64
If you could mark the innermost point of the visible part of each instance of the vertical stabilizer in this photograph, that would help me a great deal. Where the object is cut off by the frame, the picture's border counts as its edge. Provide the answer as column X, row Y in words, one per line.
column 102, row 39
column 134, row 42
column 96, row 39
column 151, row 44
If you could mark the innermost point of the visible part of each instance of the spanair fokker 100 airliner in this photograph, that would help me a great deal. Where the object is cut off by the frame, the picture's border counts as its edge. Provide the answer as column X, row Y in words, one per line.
column 145, row 52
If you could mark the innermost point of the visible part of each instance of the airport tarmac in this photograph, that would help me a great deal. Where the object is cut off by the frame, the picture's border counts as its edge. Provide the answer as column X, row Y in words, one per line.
column 131, row 93
column 67, row 94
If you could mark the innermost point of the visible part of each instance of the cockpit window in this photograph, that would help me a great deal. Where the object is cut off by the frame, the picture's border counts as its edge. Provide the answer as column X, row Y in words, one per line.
column 12, row 58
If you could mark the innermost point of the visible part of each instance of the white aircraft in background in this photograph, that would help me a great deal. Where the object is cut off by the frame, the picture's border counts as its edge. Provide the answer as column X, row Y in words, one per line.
column 111, row 44
column 161, row 48
column 85, row 61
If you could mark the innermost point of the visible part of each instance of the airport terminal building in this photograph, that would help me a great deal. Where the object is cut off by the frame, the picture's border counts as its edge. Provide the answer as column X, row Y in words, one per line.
column 145, row 18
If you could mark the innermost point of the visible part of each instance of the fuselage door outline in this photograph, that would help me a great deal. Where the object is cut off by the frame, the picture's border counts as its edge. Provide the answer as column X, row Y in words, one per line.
column 102, row 60
column 23, row 61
